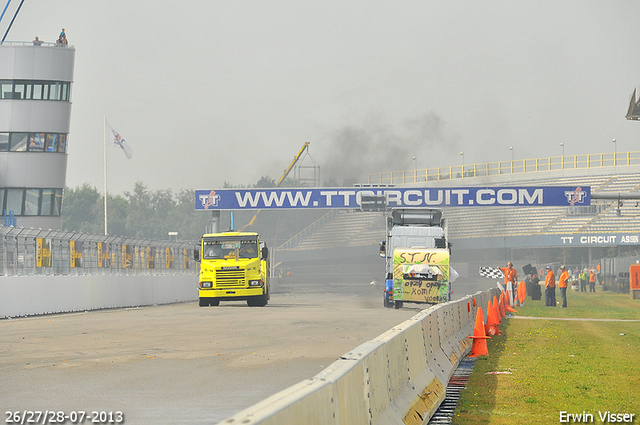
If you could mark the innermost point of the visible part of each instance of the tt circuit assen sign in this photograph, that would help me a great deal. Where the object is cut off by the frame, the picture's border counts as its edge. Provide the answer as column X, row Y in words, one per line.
column 240, row 199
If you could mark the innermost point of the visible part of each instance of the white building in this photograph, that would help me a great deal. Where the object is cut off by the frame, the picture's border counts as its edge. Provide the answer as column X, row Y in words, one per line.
column 35, row 113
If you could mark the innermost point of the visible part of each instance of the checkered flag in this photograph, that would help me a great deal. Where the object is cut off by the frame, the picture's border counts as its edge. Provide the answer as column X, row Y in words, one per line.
column 491, row 272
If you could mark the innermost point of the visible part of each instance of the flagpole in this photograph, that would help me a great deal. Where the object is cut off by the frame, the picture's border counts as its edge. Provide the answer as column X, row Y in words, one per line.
column 105, row 175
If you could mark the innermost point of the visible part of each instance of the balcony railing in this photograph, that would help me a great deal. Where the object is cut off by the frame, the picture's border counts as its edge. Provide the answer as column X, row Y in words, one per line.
column 32, row 44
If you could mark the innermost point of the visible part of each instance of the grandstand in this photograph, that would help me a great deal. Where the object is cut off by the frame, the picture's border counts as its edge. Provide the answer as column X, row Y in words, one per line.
column 509, row 221
column 499, row 228
column 339, row 228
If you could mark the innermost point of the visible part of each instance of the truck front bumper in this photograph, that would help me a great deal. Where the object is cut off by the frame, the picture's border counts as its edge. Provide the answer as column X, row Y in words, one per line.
column 231, row 293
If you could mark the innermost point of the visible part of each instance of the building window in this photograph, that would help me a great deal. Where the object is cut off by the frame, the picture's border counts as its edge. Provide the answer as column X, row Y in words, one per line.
column 57, row 202
column 62, row 143
column 15, row 198
column 20, row 90
column 47, row 201
column 50, row 143
column 6, row 89
column 18, row 142
column 33, row 142
column 31, row 201
column 4, row 142
column 36, row 142
column 35, row 90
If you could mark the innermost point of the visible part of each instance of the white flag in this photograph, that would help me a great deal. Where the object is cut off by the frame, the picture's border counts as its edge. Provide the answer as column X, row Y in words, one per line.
column 119, row 141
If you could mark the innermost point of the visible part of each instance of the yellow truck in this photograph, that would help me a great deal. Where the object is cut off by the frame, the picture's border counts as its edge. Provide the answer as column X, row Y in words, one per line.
column 234, row 266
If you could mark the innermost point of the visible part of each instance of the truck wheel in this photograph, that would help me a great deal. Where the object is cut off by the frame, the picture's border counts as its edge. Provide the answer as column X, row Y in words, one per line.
column 214, row 303
column 387, row 302
column 204, row 302
column 398, row 304
column 260, row 301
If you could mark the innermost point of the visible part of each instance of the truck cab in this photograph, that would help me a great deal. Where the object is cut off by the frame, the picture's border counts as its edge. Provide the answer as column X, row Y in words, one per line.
column 417, row 254
column 233, row 266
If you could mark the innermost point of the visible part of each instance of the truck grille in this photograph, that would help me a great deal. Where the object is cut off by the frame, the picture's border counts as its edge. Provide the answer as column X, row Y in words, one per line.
column 230, row 277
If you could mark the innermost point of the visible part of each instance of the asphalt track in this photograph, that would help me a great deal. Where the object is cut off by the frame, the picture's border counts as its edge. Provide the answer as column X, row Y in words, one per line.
column 182, row 364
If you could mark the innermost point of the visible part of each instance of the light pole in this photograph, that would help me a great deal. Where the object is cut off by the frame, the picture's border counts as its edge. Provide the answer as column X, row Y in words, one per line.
column 415, row 167
column 462, row 154
column 562, row 162
column 615, row 152
column 511, row 149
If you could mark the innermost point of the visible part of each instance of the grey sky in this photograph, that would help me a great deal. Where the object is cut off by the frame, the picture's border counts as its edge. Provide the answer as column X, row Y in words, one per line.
column 212, row 91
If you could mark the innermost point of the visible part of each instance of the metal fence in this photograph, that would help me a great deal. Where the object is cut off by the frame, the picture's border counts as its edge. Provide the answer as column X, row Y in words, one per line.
column 615, row 271
column 516, row 166
column 29, row 251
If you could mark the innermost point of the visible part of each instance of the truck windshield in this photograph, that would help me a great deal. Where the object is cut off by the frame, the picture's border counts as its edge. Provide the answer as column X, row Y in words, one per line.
column 226, row 249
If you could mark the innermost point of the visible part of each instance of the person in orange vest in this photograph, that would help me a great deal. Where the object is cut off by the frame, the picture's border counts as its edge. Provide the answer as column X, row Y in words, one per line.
column 562, row 284
column 592, row 281
column 550, row 288
column 510, row 278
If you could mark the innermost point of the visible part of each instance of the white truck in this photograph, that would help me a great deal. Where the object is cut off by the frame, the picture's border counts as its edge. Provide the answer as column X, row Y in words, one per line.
column 416, row 253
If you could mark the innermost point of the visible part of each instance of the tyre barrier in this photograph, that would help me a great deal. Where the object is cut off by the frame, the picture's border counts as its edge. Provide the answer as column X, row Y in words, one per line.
column 397, row 378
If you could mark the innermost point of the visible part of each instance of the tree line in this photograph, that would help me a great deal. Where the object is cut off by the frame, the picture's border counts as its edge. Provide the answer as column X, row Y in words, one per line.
column 147, row 214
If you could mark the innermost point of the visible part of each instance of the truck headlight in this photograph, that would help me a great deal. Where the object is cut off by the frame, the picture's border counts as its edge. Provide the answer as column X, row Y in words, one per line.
column 255, row 283
column 206, row 285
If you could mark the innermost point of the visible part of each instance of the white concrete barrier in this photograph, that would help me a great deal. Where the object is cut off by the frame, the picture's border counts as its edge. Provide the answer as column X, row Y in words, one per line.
column 437, row 360
column 397, row 378
column 347, row 377
column 415, row 389
column 33, row 295
column 465, row 321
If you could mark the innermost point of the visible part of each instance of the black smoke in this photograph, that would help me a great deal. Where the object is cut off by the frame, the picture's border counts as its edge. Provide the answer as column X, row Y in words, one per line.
column 353, row 152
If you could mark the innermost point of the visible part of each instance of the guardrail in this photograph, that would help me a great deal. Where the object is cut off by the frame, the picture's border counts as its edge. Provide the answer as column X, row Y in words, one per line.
column 29, row 251
column 398, row 377
column 507, row 167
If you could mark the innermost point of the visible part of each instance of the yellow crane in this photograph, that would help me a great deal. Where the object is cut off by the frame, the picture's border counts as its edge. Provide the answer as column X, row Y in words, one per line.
column 284, row 176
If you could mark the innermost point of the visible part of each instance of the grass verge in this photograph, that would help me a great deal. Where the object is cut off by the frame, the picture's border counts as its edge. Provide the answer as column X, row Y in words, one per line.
column 573, row 366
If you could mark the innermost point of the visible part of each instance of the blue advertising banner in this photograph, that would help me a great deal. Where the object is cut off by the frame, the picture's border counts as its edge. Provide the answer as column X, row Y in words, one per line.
column 580, row 240
column 296, row 198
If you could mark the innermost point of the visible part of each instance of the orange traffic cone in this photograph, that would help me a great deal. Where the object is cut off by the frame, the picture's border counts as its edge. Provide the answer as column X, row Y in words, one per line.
column 479, row 347
column 496, row 307
column 492, row 325
column 501, row 307
column 522, row 293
